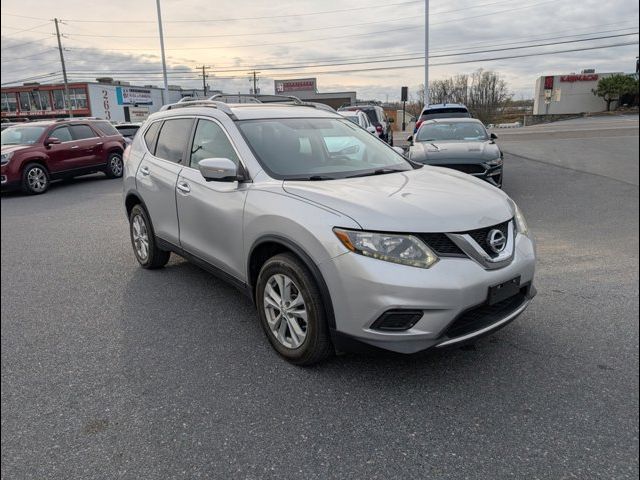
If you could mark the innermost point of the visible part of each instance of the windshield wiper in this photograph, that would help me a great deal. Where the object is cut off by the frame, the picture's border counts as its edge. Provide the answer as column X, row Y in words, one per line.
column 313, row 178
column 377, row 171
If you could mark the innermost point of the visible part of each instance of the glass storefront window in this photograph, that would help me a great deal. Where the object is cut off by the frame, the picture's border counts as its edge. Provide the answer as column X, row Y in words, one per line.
column 25, row 102
column 9, row 102
column 58, row 100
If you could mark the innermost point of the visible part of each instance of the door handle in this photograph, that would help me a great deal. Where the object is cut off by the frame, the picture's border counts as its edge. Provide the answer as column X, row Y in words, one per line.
column 75, row 146
column 99, row 143
column 145, row 170
column 183, row 187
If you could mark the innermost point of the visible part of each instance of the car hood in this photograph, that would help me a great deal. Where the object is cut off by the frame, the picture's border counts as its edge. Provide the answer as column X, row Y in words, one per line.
column 13, row 148
column 429, row 199
column 458, row 152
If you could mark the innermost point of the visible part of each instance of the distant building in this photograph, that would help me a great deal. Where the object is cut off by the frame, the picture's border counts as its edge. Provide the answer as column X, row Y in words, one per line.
column 105, row 98
column 569, row 93
column 306, row 89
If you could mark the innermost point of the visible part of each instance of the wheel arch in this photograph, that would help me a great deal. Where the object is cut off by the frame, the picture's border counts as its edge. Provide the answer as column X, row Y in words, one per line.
column 269, row 245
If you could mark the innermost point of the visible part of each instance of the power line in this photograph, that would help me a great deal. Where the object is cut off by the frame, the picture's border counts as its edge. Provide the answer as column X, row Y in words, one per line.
column 24, row 30
column 284, row 32
column 417, row 57
column 25, row 43
column 27, row 56
column 269, row 17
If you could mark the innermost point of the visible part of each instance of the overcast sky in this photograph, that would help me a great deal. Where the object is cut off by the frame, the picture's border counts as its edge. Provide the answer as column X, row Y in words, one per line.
column 113, row 37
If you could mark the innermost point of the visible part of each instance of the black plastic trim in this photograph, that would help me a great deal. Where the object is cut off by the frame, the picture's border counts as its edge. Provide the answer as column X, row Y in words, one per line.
column 381, row 320
column 309, row 263
column 214, row 270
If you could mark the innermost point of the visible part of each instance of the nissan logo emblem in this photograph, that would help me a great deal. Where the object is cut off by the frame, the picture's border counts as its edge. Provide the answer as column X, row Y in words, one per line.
column 497, row 240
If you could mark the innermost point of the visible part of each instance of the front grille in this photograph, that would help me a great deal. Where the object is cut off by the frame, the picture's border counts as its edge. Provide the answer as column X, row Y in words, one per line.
column 485, row 314
column 441, row 244
column 480, row 236
column 464, row 167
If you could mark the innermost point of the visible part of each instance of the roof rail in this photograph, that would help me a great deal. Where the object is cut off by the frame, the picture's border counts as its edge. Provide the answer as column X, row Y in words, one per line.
column 234, row 98
column 66, row 119
column 223, row 107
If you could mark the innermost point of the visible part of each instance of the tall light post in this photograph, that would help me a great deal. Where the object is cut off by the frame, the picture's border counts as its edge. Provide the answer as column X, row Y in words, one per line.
column 165, row 92
column 426, row 52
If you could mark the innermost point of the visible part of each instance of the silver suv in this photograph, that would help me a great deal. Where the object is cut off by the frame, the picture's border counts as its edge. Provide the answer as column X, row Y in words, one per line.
column 334, row 235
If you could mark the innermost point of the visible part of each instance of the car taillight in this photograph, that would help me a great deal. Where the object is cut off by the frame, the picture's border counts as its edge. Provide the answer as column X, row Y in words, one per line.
column 379, row 128
column 125, row 155
column 418, row 123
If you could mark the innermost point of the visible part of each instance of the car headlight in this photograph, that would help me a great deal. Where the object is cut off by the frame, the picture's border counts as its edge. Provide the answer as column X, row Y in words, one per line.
column 4, row 159
column 521, row 223
column 390, row 247
column 495, row 162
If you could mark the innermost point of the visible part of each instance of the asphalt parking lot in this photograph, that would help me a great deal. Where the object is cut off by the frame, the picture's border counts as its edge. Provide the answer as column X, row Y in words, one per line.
column 110, row 371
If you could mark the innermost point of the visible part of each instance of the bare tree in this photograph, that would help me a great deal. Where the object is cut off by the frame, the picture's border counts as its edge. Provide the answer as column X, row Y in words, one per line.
column 488, row 94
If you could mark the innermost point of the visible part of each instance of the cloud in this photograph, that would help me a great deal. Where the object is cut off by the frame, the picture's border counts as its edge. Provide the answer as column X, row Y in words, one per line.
column 114, row 52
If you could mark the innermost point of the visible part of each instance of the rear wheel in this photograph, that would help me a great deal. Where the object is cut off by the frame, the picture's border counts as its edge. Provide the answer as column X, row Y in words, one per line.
column 115, row 165
column 291, row 311
column 35, row 179
column 143, row 240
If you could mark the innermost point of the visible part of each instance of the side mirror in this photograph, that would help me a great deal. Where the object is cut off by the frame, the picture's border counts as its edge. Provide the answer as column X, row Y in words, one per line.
column 52, row 141
column 493, row 136
column 218, row 169
column 410, row 138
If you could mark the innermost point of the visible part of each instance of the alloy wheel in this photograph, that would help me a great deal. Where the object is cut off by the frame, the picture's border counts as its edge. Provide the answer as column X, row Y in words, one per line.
column 116, row 165
column 285, row 310
column 37, row 179
column 140, row 237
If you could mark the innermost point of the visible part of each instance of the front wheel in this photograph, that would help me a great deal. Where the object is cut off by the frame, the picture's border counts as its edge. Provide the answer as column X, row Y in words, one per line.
column 35, row 179
column 291, row 311
column 115, row 165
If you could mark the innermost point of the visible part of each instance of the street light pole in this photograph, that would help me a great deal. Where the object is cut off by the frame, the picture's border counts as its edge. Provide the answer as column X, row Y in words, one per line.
column 426, row 52
column 165, row 92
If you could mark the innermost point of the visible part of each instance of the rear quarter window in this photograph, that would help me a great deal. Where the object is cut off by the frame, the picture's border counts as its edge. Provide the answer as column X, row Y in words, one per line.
column 105, row 128
column 151, row 136
column 173, row 138
column 80, row 132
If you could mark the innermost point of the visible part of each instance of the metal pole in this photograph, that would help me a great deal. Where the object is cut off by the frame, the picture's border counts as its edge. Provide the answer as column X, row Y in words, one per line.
column 67, row 100
column 426, row 52
column 204, row 82
column 165, row 92
column 404, row 123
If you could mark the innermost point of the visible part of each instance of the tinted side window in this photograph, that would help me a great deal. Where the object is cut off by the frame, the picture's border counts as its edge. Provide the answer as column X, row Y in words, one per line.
column 151, row 136
column 210, row 141
column 128, row 131
column 61, row 133
column 105, row 128
column 173, row 139
column 80, row 132
column 371, row 113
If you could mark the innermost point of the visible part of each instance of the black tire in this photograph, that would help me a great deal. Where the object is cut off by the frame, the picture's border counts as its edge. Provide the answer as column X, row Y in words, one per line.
column 316, row 345
column 155, row 257
column 35, row 179
column 115, row 165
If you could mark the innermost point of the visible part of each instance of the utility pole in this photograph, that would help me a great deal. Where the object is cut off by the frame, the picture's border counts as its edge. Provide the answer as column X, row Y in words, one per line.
column 204, row 79
column 67, row 100
column 165, row 92
column 426, row 52
column 255, row 79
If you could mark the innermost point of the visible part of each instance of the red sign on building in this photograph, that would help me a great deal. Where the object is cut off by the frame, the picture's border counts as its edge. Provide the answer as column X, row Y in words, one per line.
column 591, row 77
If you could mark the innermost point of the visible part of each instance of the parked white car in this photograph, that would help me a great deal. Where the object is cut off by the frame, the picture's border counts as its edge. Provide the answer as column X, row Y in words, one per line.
column 359, row 118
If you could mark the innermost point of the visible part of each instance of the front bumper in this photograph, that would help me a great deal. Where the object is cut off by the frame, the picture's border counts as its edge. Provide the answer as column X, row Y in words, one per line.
column 362, row 289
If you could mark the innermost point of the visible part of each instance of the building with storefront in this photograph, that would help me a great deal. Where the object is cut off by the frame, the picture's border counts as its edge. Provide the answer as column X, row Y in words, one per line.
column 108, row 99
column 306, row 89
column 569, row 93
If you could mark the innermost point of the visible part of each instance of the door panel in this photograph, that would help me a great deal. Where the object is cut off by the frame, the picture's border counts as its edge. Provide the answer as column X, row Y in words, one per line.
column 211, row 220
column 88, row 145
column 156, row 182
column 66, row 155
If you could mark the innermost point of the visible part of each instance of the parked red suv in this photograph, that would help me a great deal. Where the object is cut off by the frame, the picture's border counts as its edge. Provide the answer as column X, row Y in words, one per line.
column 35, row 153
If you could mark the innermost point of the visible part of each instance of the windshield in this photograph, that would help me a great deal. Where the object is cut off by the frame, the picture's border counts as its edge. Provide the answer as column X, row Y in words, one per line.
column 21, row 135
column 318, row 149
column 441, row 131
